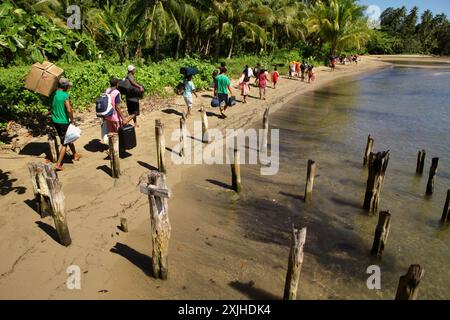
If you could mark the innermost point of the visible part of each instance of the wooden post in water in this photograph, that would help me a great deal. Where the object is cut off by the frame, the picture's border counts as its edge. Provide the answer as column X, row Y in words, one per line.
column 236, row 172
column 57, row 204
column 433, row 170
column 381, row 233
column 446, row 212
column 158, row 193
column 377, row 168
column 182, row 137
column 53, row 145
column 205, row 134
column 420, row 162
column 160, row 145
column 113, row 140
column 369, row 150
column 408, row 286
column 310, row 174
column 40, row 189
column 294, row 264
column 265, row 137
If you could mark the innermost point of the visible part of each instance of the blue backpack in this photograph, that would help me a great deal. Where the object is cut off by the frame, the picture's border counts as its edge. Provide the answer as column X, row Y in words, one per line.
column 103, row 106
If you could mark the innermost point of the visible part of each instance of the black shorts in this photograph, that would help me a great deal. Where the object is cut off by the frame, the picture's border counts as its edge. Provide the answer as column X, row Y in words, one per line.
column 223, row 97
column 133, row 107
column 61, row 129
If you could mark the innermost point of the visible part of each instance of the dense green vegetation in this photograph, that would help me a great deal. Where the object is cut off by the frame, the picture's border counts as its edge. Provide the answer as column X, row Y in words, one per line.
column 404, row 32
column 160, row 36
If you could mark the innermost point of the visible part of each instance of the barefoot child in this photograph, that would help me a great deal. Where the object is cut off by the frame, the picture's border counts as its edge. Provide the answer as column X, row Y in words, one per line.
column 245, row 87
column 275, row 76
column 262, row 83
column 189, row 89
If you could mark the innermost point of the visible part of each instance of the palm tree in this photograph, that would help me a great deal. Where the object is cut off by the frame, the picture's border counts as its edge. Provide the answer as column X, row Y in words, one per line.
column 154, row 16
column 340, row 23
column 243, row 15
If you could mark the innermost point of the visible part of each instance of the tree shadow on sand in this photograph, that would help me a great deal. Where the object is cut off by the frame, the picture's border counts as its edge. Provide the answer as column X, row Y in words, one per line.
column 251, row 292
column 140, row 260
column 6, row 184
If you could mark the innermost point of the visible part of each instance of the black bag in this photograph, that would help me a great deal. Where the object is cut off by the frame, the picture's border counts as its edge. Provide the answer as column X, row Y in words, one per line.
column 127, row 137
column 179, row 89
column 188, row 71
column 231, row 101
column 124, row 86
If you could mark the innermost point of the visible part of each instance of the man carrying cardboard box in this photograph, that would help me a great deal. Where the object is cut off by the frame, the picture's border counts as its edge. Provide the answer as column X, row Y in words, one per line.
column 62, row 117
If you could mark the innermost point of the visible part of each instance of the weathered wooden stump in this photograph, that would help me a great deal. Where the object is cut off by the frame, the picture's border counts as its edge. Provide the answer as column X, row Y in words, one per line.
column 420, row 162
column 265, row 136
column 408, row 286
column 40, row 189
column 446, row 212
column 182, row 137
column 57, row 204
column 158, row 193
column 236, row 172
column 113, row 141
column 205, row 134
column 160, row 145
column 294, row 264
column 369, row 150
column 433, row 171
column 310, row 174
column 377, row 168
column 53, row 145
column 381, row 233
column 123, row 224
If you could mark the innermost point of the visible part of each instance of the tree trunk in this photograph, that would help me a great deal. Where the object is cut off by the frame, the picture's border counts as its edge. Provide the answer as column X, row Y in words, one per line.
column 156, row 53
column 233, row 39
column 207, row 46
column 219, row 36
column 177, row 52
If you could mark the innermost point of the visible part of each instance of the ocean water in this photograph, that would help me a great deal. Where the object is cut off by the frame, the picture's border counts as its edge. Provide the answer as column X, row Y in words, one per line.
column 405, row 110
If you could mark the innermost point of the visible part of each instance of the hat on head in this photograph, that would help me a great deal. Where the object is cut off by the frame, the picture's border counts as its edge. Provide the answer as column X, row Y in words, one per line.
column 65, row 82
column 131, row 68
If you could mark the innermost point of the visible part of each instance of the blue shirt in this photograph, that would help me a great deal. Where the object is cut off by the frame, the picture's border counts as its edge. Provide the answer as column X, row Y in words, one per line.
column 188, row 88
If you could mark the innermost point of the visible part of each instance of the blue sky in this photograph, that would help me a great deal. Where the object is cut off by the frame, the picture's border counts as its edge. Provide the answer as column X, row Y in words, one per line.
column 436, row 6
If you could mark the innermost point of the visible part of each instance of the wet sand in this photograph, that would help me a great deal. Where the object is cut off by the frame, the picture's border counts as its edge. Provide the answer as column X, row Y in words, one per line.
column 211, row 255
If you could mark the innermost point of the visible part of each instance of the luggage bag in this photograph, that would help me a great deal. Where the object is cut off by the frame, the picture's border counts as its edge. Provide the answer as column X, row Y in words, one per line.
column 127, row 137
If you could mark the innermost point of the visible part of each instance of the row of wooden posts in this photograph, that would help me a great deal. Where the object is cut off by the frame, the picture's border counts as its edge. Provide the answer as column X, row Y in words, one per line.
column 158, row 193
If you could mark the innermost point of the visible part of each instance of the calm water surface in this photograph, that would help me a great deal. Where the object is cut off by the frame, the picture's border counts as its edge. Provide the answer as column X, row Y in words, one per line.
column 404, row 110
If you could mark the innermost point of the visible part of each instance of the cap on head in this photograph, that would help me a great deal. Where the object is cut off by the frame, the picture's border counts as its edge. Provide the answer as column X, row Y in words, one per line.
column 131, row 68
column 64, row 82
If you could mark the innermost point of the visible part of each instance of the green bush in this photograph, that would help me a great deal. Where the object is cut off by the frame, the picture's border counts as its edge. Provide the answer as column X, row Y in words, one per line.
column 90, row 80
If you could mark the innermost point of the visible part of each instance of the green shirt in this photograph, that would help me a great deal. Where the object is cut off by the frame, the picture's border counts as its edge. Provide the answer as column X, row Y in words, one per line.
column 59, row 112
column 222, row 83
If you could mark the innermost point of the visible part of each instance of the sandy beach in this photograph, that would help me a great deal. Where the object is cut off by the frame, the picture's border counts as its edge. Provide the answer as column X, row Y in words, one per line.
column 206, row 257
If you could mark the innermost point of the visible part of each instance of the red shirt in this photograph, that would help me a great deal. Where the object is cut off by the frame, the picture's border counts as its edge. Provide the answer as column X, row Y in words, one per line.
column 275, row 76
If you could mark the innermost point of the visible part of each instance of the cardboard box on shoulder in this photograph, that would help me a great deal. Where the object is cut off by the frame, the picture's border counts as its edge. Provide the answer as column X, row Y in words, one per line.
column 43, row 78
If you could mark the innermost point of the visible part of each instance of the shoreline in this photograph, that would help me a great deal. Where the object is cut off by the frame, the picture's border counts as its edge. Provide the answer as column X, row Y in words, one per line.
column 34, row 264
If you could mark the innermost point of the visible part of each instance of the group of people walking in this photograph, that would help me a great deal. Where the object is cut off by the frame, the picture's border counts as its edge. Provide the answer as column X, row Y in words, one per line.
column 62, row 114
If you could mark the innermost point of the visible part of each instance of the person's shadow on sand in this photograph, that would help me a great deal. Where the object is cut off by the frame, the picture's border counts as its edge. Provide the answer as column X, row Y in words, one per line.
column 140, row 260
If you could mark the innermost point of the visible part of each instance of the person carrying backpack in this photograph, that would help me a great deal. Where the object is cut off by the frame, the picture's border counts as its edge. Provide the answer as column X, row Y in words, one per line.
column 132, row 99
column 116, row 119
column 62, row 117
column 189, row 89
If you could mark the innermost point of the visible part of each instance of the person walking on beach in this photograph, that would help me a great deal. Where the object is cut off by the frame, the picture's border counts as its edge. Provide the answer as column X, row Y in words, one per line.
column 189, row 89
column 262, row 84
column 62, row 117
column 116, row 120
column 311, row 75
column 256, row 72
column 297, row 69
column 303, row 69
column 291, row 69
column 275, row 77
column 333, row 64
column 245, row 88
column 223, row 89
column 133, row 98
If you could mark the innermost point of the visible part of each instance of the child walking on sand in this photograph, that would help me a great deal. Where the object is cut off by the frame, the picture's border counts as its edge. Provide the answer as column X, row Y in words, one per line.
column 311, row 75
column 275, row 76
column 262, row 83
column 245, row 87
